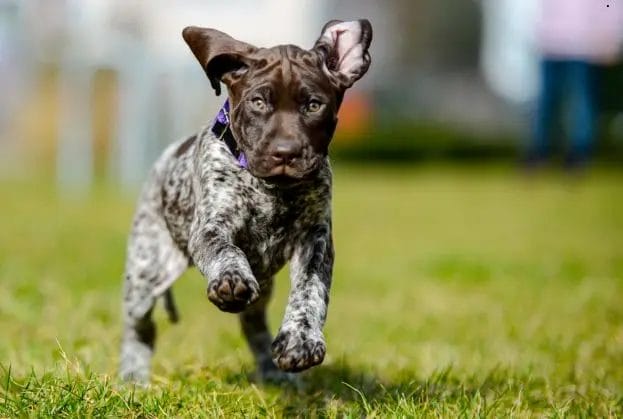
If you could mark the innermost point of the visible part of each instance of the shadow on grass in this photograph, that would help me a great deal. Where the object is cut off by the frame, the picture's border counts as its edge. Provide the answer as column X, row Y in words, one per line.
column 343, row 384
column 364, row 389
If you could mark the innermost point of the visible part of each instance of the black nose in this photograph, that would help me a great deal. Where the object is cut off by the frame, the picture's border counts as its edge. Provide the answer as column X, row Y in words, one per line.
column 284, row 151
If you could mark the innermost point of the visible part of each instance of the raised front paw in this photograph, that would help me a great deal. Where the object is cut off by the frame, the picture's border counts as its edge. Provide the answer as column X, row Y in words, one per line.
column 295, row 350
column 233, row 291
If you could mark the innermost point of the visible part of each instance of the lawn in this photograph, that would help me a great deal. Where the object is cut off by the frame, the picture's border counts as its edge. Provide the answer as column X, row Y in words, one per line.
column 464, row 291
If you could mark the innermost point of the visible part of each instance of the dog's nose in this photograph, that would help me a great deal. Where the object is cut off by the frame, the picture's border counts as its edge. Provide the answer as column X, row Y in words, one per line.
column 284, row 151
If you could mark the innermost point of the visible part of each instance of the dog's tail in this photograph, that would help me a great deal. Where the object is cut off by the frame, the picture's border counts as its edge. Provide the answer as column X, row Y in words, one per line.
column 169, row 306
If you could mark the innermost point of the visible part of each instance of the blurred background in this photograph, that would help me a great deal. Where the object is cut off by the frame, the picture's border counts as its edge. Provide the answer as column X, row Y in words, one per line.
column 478, row 192
column 94, row 89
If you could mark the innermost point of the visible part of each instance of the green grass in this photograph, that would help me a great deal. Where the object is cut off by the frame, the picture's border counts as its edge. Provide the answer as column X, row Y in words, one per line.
column 457, row 292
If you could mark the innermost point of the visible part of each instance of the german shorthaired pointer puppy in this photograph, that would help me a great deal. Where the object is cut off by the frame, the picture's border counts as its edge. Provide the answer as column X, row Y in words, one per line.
column 247, row 194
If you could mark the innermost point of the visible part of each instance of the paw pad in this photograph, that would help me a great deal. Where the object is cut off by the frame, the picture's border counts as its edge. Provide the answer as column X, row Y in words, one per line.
column 232, row 292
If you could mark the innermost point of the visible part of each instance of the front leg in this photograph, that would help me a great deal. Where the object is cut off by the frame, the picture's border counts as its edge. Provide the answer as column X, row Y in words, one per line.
column 300, row 343
column 231, row 284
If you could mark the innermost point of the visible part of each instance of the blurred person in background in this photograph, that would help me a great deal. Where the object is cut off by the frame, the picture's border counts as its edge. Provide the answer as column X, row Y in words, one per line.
column 575, row 37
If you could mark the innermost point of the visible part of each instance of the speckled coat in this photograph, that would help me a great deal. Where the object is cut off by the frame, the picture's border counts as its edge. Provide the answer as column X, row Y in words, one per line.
column 200, row 208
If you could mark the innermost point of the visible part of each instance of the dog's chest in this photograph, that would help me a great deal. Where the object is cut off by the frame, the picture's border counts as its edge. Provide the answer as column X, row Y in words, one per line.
column 269, row 234
column 267, row 226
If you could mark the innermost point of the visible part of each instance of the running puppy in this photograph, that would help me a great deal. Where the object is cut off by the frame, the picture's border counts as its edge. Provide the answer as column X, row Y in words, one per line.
column 247, row 194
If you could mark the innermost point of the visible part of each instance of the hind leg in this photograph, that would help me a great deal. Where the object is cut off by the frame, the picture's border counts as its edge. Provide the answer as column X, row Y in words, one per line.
column 255, row 329
column 153, row 264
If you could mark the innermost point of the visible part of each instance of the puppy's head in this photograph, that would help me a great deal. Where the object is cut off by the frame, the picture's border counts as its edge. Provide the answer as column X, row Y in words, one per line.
column 285, row 99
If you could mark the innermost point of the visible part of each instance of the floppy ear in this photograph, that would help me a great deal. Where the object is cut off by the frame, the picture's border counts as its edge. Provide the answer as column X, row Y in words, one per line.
column 222, row 57
column 344, row 46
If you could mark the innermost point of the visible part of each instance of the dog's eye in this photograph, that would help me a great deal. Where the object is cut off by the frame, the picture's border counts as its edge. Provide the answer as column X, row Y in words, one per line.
column 259, row 104
column 313, row 106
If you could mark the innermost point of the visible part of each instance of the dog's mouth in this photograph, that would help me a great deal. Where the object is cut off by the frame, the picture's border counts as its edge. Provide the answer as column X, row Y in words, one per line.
column 284, row 170
column 289, row 171
column 284, row 175
column 282, row 180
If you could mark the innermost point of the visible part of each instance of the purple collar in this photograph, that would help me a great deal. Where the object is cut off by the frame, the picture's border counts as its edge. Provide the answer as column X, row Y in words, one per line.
column 221, row 128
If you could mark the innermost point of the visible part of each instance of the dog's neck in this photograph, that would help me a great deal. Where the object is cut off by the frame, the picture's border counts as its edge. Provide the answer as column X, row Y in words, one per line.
column 222, row 129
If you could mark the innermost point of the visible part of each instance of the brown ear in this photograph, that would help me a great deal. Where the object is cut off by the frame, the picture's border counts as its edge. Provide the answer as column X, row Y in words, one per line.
column 222, row 57
column 345, row 48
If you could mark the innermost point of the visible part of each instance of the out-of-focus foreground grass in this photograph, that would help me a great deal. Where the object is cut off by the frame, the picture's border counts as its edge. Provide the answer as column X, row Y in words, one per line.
column 457, row 291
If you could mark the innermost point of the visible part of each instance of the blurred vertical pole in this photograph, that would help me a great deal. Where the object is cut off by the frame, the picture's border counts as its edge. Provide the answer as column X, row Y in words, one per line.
column 128, row 162
column 74, row 160
column 135, row 65
column 9, row 39
column 17, row 80
column 508, row 56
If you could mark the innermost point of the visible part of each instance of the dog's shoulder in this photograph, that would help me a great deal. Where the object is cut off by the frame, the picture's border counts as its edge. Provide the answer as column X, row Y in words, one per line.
column 191, row 156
